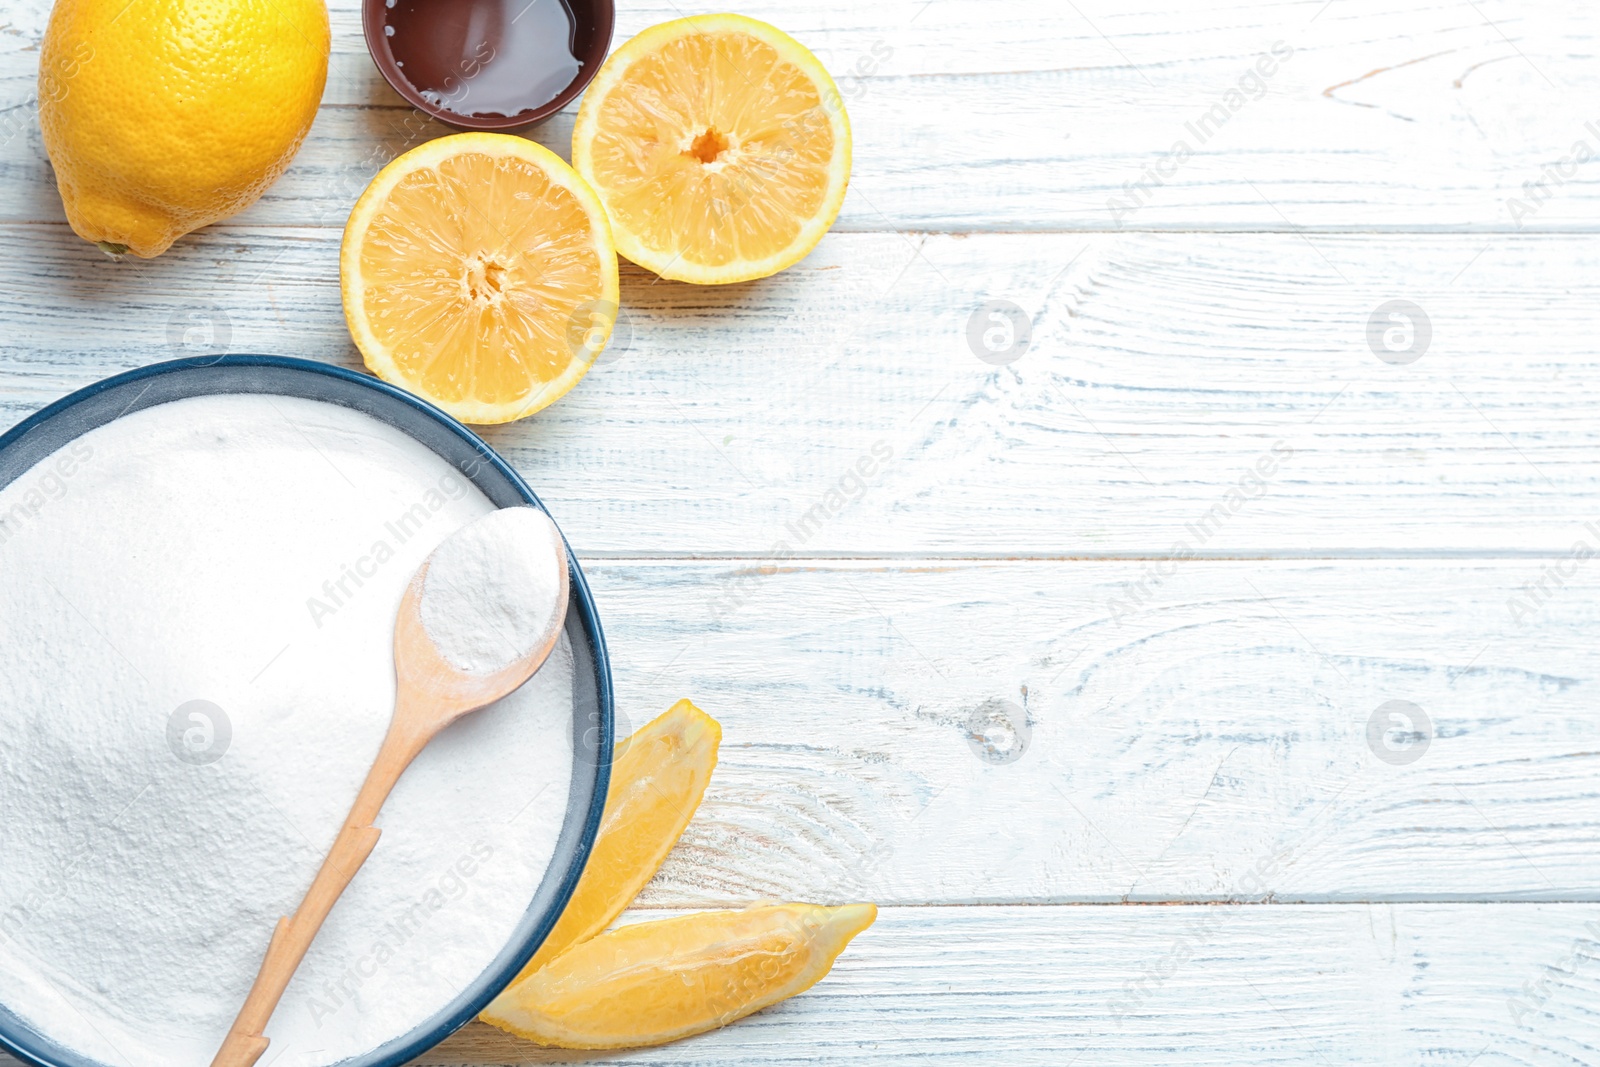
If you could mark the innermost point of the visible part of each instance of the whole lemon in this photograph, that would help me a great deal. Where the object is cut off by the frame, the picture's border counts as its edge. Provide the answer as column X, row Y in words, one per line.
column 161, row 116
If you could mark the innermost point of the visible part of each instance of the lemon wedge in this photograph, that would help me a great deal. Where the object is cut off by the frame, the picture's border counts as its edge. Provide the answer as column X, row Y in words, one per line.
column 658, row 776
column 655, row 982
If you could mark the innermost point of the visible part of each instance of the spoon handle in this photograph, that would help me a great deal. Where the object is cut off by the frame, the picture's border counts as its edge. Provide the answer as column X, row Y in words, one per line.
column 293, row 936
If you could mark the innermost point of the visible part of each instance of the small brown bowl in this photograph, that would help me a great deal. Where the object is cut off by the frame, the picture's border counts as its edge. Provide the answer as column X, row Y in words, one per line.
column 500, row 58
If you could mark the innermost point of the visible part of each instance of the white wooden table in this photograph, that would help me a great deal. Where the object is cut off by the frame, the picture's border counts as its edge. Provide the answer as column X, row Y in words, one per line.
column 1189, row 849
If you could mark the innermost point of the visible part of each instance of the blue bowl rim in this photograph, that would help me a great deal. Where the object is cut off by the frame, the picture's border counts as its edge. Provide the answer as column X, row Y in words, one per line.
column 411, row 1045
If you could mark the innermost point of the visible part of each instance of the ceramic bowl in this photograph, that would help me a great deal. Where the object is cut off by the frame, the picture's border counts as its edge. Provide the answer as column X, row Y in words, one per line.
column 48, row 430
column 473, row 28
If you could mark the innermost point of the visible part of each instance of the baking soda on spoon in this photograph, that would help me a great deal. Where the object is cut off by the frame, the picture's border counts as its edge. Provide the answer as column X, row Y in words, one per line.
column 490, row 589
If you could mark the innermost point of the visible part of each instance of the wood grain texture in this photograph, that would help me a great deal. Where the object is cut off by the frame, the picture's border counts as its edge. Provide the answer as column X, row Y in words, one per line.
column 1162, row 370
column 1008, row 582
column 1014, row 731
column 1012, row 115
column 1494, row 985
column 1349, row 984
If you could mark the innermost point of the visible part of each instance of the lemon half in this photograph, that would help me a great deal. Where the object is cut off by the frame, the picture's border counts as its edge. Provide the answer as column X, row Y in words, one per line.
column 478, row 272
column 720, row 146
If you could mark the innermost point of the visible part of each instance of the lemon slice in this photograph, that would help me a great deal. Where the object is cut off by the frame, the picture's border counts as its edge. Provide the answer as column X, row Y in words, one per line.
column 720, row 147
column 655, row 982
column 658, row 777
column 478, row 272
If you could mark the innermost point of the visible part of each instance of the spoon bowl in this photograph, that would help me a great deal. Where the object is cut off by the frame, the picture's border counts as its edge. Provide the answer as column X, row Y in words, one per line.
column 431, row 691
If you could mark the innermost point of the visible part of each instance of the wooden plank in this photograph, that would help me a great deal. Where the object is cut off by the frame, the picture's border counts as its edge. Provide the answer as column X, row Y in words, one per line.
column 1350, row 984
column 1490, row 984
column 1030, row 731
column 1495, row 985
column 1005, row 114
column 1164, row 372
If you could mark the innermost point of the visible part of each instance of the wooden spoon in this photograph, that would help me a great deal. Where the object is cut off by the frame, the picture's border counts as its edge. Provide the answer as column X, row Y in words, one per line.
column 430, row 694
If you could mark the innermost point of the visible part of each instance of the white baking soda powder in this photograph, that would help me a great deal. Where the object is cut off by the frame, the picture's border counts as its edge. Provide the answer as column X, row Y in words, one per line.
column 197, row 607
column 492, row 589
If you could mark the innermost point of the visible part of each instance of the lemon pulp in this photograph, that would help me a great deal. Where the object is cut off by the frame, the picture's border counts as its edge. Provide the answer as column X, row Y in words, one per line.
column 478, row 272
column 719, row 145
